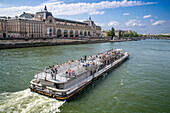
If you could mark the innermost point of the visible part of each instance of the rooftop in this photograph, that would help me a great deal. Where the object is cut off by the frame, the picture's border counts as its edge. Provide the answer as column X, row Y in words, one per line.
column 70, row 21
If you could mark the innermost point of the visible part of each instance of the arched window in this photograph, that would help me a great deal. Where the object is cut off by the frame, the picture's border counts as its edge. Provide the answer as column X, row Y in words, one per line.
column 59, row 33
column 88, row 33
column 50, row 20
column 65, row 33
column 76, row 33
column 85, row 33
column 71, row 33
column 81, row 33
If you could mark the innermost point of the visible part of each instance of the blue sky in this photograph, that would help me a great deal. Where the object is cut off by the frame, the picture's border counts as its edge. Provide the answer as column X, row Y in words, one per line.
column 142, row 16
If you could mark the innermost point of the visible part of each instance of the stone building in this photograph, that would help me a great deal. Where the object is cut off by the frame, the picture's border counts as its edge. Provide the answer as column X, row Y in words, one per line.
column 43, row 24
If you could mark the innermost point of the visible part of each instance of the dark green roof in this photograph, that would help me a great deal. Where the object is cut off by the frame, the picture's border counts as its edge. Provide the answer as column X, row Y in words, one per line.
column 70, row 21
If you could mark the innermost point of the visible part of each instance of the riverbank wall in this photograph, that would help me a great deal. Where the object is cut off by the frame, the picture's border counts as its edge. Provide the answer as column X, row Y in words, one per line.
column 8, row 43
column 21, row 43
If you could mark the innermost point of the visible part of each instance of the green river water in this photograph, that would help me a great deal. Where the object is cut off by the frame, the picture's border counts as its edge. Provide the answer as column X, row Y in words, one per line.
column 141, row 84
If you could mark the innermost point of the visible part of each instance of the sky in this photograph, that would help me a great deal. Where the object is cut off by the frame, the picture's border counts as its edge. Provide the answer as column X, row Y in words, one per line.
column 142, row 16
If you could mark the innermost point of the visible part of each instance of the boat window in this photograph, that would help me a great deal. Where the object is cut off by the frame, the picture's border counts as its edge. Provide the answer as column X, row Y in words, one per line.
column 56, row 85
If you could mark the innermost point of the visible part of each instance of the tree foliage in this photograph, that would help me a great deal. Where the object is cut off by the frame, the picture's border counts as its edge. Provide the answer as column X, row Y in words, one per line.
column 119, row 34
column 131, row 34
column 126, row 34
column 108, row 34
column 140, row 35
column 111, row 33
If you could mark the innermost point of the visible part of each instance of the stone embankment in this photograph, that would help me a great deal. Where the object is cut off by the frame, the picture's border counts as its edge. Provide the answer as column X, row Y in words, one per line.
column 7, row 43
column 21, row 43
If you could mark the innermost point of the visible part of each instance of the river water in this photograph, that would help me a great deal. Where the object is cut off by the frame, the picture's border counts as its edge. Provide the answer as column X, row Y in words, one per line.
column 140, row 84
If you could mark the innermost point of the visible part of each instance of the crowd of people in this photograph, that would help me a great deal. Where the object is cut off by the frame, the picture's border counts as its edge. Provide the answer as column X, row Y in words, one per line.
column 53, row 71
column 73, row 67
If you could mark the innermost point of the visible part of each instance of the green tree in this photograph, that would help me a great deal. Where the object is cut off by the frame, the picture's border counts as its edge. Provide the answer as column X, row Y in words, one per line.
column 108, row 34
column 140, row 35
column 131, row 34
column 112, row 33
column 135, row 34
column 119, row 34
column 126, row 34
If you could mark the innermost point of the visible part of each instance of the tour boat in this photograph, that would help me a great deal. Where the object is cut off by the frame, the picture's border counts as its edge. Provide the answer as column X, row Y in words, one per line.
column 62, row 81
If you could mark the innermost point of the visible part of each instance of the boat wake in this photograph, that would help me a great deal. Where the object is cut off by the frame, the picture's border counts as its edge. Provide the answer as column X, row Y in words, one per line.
column 26, row 101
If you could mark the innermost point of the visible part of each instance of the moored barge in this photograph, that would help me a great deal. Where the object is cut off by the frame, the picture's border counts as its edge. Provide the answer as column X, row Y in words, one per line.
column 65, row 80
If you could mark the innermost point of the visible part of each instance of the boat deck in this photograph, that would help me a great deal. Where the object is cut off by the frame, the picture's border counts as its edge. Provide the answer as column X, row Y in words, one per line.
column 77, row 66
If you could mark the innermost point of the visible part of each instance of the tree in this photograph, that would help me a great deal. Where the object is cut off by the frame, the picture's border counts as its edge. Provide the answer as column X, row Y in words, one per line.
column 112, row 33
column 119, row 34
column 126, row 34
column 135, row 34
column 140, row 35
column 131, row 34
column 108, row 34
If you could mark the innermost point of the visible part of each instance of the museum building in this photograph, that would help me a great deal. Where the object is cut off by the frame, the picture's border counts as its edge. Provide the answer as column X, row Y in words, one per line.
column 43, row 24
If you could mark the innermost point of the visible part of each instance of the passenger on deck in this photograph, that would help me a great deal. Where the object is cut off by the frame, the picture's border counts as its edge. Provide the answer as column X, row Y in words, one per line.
column 78, row 62
column 54, row 76
column 52, row 70
column 51, row 75
column 85, row 57
column 56, row 66
column 55, row 70
column 82, row 60
column 69, row 72
column 88, row 64
column 73, row 73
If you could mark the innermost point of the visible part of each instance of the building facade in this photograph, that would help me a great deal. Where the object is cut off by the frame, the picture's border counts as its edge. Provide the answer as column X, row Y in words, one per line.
column 43, row 24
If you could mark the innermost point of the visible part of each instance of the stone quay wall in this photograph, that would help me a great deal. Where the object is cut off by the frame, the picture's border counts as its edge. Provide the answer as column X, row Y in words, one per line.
column 26, row 42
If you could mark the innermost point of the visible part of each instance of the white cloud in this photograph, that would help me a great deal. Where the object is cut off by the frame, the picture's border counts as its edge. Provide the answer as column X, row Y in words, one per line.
column 159, row 22
column 134, row 23
column 96, row 12
column 126, row 13
column 113, row 23
column 156, row 17
column 147, row 16
column 61, row 8
column 137, row 17
column 101, row 24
